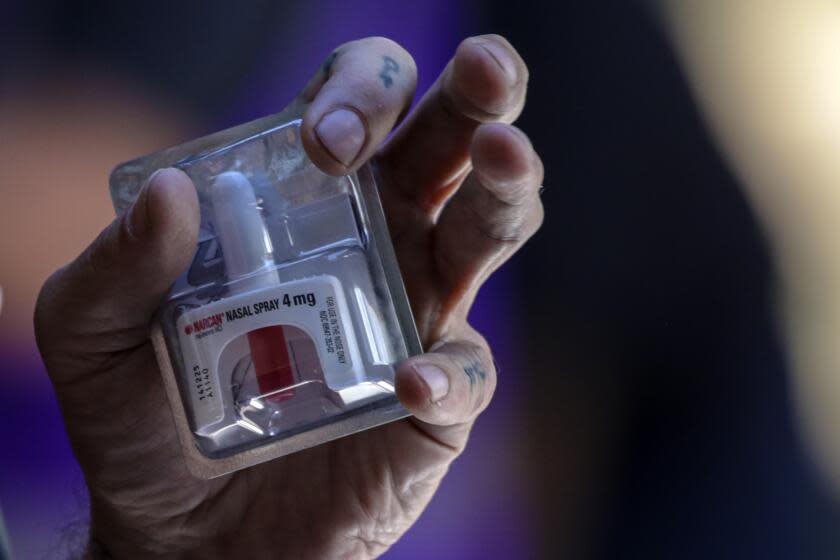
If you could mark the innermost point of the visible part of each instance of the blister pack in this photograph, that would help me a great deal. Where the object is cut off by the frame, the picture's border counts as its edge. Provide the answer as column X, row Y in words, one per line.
column 284, row 331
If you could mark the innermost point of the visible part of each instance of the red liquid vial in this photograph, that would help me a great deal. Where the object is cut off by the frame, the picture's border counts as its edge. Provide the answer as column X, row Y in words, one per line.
column 270, row 356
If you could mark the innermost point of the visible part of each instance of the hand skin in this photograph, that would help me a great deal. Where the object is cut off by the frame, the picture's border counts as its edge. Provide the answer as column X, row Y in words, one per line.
column 461, row 196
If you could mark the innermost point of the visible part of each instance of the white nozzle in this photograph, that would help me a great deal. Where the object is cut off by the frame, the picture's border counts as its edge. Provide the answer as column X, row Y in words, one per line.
column 246, row 246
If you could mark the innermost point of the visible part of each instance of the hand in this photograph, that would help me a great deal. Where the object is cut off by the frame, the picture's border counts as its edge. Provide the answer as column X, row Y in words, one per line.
column 460, row 189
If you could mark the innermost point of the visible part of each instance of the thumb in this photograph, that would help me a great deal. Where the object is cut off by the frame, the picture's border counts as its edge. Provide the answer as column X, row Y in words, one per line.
column 103, row 301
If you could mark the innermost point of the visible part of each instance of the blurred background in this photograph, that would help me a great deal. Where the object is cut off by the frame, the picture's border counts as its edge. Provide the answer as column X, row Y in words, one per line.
column 644, row 408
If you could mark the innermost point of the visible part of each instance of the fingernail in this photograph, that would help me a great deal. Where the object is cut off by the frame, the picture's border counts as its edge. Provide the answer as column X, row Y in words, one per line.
column 435, row 379
column 503, row 58
column 342, row 134
column 138, row 218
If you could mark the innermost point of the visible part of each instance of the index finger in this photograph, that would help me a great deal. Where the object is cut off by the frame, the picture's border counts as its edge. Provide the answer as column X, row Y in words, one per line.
column 354, row 100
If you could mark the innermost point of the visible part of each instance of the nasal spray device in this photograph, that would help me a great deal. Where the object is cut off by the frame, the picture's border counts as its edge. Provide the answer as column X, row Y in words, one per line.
column 285, row 330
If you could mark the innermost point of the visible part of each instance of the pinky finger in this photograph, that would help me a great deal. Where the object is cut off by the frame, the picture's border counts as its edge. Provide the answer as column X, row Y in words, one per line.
column 449, row 386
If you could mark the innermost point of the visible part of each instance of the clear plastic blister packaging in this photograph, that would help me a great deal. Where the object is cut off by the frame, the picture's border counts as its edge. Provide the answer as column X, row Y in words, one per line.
column 284, row 331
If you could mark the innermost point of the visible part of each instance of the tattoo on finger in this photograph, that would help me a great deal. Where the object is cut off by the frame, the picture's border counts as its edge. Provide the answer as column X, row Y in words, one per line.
column 390, row 67
column 474, row 372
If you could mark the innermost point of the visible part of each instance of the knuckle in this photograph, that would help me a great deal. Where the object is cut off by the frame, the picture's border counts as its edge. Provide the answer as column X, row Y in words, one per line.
column 509, row 228
column 503, row 218
column 531, row 222
column 519, row 192
column 504, row 228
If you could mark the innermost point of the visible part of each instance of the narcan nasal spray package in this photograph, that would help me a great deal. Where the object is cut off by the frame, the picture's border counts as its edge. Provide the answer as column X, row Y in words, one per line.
column 285, row 330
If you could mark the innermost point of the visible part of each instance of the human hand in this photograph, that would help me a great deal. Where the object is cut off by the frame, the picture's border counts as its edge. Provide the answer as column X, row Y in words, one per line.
column 460, row 190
